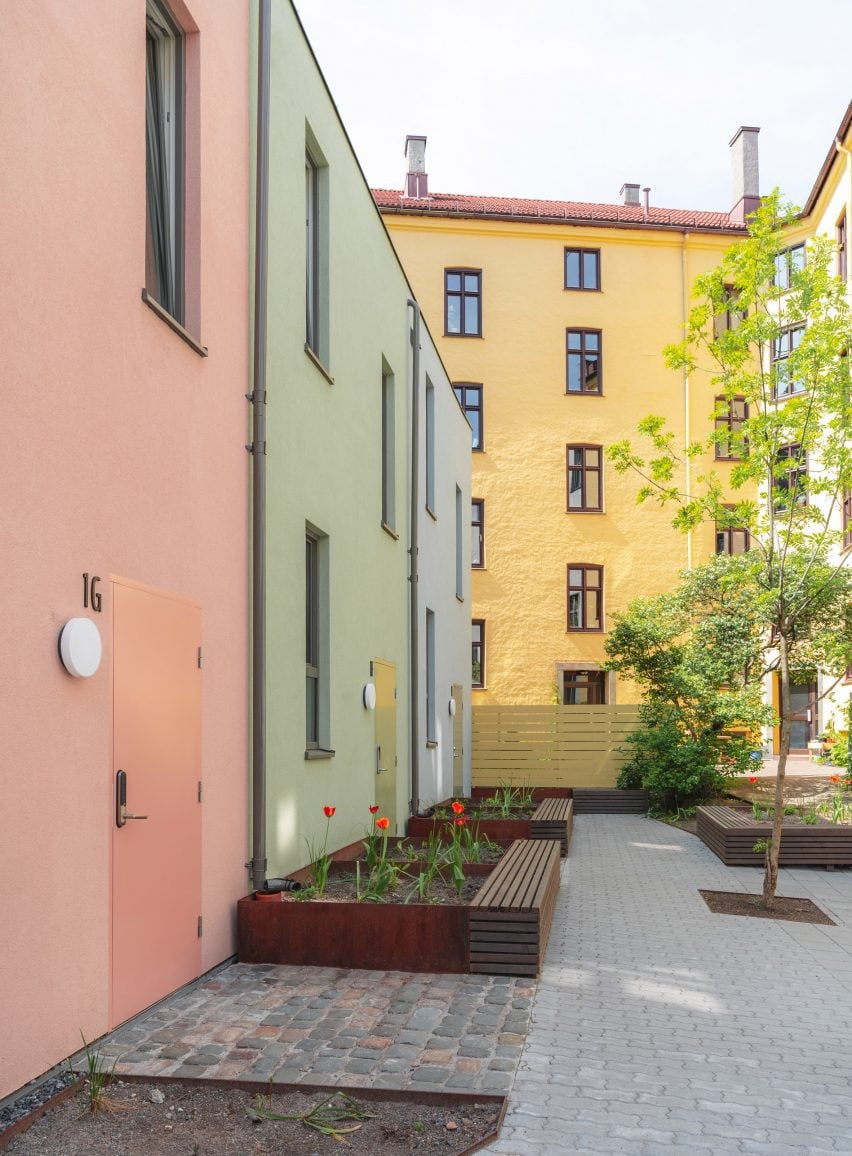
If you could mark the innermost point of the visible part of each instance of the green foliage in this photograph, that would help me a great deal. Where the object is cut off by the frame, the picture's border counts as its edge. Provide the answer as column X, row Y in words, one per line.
column 692, row 652
column 794, row 448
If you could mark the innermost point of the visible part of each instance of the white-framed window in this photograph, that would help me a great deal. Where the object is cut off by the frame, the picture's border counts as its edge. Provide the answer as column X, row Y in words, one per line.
column 164, row 167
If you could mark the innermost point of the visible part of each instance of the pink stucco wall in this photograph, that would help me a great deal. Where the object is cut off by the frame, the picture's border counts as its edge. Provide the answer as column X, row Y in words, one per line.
column 121, row 452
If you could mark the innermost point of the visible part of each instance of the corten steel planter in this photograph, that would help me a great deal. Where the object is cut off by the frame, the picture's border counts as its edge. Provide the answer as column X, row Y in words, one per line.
column 552, row 819
column 538, row 793
column 377, row 936
column 410, row 936
column 731, row 834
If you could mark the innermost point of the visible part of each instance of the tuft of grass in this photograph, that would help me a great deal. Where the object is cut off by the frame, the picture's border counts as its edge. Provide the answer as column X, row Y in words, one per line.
column 98, row 1079
column 332, row 1116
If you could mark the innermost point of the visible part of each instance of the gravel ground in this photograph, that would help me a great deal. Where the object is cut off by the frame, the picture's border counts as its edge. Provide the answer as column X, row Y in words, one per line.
column 197, row 1120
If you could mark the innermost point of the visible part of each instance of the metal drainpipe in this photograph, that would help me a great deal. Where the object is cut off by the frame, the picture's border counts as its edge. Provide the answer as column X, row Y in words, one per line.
column 258, row 452
column 414, row 802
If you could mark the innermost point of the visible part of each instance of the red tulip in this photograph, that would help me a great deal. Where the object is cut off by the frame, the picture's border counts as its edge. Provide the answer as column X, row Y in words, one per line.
column 373, row 810
column 752, row 778
column 383, row 824
column 834, row 778
column 460, row 822
column 329, row 811
column 458, row 808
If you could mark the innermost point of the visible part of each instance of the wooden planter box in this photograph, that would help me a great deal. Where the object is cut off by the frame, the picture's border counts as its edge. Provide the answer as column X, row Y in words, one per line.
column 415, row 936
column 553, row 818
column 731, row 834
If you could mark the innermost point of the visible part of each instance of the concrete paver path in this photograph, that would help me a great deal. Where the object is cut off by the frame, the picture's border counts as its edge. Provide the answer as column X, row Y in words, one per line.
column 660, row 1028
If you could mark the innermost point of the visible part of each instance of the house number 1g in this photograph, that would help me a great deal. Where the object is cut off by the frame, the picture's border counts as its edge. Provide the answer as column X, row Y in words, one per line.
column 91, row 594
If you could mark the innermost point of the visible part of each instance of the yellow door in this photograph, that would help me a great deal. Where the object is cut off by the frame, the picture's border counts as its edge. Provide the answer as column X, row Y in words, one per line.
column 384, row 677
column 458, row 740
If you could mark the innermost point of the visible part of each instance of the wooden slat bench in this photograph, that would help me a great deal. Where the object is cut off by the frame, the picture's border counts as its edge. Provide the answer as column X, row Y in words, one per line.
column 553, row 819
column 731, row 834
column 609, row 801
column 510, row 916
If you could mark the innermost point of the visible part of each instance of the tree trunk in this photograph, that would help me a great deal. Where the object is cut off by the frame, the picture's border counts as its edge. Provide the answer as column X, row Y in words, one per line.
column 773, row 851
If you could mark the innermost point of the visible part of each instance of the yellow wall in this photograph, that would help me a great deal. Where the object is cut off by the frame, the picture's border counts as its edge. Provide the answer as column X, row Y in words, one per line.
column 646, row 276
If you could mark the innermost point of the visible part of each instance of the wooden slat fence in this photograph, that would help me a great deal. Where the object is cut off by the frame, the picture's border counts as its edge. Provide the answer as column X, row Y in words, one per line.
column 550, row 746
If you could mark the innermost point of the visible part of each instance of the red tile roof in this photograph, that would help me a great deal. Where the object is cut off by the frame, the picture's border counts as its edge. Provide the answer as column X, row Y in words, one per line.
column 575, row 212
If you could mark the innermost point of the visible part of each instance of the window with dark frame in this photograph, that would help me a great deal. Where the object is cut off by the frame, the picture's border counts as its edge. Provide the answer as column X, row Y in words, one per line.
column 470, row 399
column 312, row 658
column 730, row 318
column 164, row 163
column 430, row 446
column 312, row 272
column 583, row 269
column 842, row 258
column 792, row 480
column 787, row 263
column 585, row 597
column 584, row 472
column 846, row 519
column 731, row 539
column 478, row 653
column 431, row 711
column 459, row 544
column 388, row 450
column 583, row 361
column 730, row 415
column 583, row 687
column 463, row 302
column 477, row 533
column 787, row 342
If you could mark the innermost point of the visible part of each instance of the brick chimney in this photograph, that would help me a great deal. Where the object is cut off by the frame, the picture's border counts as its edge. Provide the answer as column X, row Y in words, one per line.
column 416, row 179
column 746, row 183
column 629, row 194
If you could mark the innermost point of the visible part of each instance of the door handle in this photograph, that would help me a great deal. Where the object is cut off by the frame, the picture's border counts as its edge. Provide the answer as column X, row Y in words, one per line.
column 379, row 768
column 121, row 812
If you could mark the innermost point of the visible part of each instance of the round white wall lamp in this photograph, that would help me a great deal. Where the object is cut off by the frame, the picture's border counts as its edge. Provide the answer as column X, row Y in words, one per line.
column 370, row 696
column 80, row 647
column 452, row 707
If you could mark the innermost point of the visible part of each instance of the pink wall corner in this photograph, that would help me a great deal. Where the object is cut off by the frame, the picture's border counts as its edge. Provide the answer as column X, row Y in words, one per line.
column 121, row 451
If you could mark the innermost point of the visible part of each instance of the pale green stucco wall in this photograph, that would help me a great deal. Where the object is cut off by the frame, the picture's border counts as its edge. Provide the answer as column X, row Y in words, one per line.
column 324, row 464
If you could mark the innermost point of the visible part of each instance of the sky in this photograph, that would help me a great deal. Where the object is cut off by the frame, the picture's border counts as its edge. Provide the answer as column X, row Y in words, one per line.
column 568, row 100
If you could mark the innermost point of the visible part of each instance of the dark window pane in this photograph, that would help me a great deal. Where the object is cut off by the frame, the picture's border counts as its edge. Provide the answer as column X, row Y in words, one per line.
column 574, row 368
column 590, row 376
column 575, row 610
column 471, row 314
column 575, row 577
column 575, row 457
column 471, row 282
column 572, row 269
column 575, row 489
column 453, row 315
column 590, row 270
column 475, row 553
column 575, row 339
column 454, row 282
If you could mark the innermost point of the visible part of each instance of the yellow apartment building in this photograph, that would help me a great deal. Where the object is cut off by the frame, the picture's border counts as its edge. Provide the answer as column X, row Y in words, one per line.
column 825, row 702
column 552, row 319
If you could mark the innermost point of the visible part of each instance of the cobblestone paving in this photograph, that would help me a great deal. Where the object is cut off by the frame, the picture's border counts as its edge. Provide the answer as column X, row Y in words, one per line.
column 660, row 1029
column 332, row 1026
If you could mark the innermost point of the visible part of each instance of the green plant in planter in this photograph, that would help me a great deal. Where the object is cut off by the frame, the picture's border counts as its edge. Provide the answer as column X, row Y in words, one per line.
column 319, row 858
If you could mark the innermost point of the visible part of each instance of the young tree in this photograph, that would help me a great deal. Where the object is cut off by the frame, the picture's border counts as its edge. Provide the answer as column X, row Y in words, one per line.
column 696, row 652
column 773, row 324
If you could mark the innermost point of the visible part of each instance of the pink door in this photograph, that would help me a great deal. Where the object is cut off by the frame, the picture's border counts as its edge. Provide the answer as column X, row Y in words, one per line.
column 156, row 772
